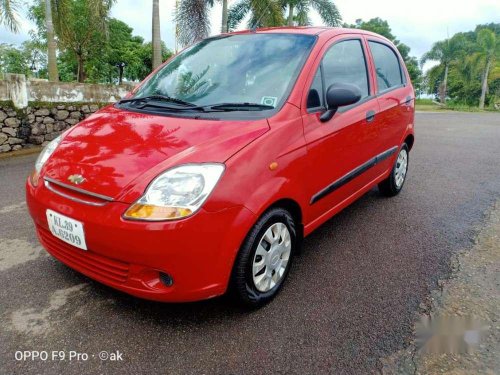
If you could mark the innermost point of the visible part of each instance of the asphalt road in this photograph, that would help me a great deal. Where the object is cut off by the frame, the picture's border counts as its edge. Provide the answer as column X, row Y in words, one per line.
column 350, row 299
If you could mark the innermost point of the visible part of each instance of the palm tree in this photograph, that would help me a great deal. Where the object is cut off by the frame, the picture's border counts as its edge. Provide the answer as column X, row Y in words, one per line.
column 193, row 22
column 51, row 43
column 489, row 52
column 224, row 28
column 263, row 13
column 446, row 52
column 156, row 39
column 8, row 14
column 326, row 9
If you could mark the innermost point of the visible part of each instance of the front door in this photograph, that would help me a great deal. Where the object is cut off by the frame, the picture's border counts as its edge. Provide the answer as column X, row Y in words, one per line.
column 339, row 149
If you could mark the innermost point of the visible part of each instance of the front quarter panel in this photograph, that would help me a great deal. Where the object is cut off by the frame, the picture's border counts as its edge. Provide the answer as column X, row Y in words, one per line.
column 251, row 181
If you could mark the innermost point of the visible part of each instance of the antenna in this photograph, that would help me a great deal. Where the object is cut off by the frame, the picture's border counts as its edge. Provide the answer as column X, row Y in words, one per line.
column 254, row 26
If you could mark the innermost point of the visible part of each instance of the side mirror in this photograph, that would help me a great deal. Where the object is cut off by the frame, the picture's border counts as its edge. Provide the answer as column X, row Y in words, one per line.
column 339, row 95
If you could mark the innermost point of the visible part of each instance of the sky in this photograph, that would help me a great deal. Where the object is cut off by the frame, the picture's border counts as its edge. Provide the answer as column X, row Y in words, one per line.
column 417, row 23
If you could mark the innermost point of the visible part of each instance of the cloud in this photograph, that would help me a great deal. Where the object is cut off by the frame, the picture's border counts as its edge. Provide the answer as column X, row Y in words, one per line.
column 421, row 24
column 417, row 25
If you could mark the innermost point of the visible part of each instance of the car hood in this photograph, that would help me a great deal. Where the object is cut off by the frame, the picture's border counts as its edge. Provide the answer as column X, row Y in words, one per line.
column 119, row 152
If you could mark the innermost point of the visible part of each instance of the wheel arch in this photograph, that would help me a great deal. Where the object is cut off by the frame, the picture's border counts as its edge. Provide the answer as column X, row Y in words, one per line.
column 290, row 205
column 293, row 207
column 409, row 140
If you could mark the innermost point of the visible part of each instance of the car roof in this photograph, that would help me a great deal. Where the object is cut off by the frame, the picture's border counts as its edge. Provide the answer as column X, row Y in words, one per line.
column 309, row 30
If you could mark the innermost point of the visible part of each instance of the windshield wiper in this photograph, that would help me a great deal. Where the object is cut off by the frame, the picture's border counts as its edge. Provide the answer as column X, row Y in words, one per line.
column 186, row 106
column 237, row 107
column 163, row 98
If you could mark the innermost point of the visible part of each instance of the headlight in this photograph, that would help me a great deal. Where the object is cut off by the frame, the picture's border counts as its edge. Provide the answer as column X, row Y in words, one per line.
column 46, row 152
column 42, row 158
column 176, row 193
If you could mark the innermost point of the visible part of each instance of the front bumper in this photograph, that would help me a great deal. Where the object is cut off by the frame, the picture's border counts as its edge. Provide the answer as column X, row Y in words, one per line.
column 197, row 252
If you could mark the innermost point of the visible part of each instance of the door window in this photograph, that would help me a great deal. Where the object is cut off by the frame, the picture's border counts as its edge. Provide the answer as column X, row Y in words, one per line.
column 315, row 97
column 345, row 62
column 386, row 66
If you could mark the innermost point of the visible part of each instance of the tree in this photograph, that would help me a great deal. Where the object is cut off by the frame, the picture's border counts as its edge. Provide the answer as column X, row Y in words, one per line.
column 489, row 50
column 156, row 35
column 80, row 25
column 380, row 26
column 446, row 52
column 376, row 25
column 464, row 81
column 8, row 14
column 12, row 60
column 35, row 56
column 465, row 78
column 193, row 19
column 326, row 9
column 263, row 13
column 51, row 43
column 117, row 55
column 224, row 28
column 146, row 66
column 124, row 56
column 193, row 22
column 28, row 59
column 68, row 66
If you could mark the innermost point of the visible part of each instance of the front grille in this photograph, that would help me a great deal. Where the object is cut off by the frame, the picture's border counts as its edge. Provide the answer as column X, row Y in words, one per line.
column 76, row 194
column 87, row 262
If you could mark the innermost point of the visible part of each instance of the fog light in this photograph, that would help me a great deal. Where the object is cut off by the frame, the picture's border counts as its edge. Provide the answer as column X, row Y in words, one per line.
column 166, row 279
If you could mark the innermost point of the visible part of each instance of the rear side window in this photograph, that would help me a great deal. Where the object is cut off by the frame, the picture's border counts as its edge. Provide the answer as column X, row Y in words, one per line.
column 386, row 66
column 345, row 62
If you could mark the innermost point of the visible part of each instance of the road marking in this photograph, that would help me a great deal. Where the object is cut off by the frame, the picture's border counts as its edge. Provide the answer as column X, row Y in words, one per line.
column 39, row 321
column 13, row 208
column 15, row 252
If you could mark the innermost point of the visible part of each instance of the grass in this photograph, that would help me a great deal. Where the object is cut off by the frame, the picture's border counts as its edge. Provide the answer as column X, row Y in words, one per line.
column 431, row 106
column 427, row 105
column 21, row 152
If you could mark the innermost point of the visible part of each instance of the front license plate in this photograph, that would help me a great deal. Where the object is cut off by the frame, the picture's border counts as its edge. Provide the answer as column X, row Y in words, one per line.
column 67, row 229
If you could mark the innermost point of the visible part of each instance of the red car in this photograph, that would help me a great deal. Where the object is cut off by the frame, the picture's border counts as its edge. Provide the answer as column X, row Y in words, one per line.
column 208, row 175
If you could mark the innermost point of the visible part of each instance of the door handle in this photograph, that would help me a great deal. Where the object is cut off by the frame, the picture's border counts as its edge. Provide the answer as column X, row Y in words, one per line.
column 370, row 116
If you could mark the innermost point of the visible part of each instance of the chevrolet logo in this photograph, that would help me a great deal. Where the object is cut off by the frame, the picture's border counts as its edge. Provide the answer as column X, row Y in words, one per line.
column 77, row 179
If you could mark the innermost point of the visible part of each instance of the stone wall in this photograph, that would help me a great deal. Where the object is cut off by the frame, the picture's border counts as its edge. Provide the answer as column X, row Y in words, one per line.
column 34, row 112
column 70, row 92
column 21, row 91
column 38, row 124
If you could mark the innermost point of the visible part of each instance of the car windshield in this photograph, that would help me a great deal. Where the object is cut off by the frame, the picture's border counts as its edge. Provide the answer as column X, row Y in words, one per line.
column 237, row 69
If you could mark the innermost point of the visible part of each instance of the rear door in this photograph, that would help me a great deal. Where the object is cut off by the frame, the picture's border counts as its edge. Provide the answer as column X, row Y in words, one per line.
column 394, row 94
column 339, row 147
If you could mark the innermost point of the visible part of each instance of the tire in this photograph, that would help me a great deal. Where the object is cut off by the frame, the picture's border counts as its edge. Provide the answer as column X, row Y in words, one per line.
column 393, row 184
column 249, row 289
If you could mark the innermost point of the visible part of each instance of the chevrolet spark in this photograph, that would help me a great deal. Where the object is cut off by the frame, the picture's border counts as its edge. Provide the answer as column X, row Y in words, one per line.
column 207, row 176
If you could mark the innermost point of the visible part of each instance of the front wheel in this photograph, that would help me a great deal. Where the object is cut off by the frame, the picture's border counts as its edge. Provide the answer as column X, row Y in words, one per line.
column 264, row 260
column 393, row 184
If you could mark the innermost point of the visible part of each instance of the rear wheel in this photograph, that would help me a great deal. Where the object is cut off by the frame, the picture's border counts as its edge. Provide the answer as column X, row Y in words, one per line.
column 393, row 184
column 264, row 260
